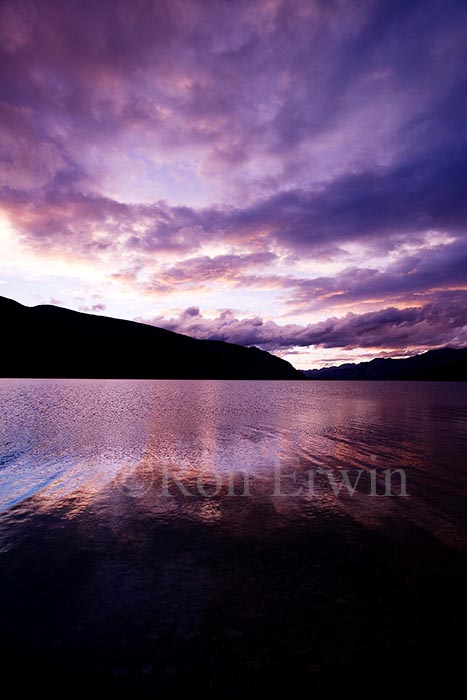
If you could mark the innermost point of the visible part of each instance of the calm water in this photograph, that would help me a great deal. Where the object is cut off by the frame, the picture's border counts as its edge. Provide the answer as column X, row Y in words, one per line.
column 161, row 534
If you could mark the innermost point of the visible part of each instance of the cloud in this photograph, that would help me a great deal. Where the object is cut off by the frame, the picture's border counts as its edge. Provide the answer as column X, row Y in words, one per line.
column 311, row 148
column 27, row 161
column 411, row 276
column 378, row 210
column 439, row 323
column 92, row 308
column 225, row 269
column 87, row 225
column 262, row 94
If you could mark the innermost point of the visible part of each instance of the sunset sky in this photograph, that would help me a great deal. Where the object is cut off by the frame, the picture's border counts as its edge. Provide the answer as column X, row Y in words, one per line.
column 290, row 174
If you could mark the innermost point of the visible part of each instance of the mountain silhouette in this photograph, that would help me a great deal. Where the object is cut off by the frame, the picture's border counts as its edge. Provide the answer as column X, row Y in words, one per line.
column 50, row 341
column 445, row 364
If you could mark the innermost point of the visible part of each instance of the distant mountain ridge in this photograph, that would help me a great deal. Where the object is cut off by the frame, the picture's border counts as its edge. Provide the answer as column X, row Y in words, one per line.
column 58, row 342
column 445, row 364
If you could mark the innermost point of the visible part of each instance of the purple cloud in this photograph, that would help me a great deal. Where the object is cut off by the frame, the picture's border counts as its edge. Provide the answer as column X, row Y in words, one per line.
column 439, row 323
column 308, row 148
column 92, row 308
column 414, row 275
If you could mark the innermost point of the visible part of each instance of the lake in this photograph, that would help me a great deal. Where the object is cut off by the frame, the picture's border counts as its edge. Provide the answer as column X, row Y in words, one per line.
column 171, row 535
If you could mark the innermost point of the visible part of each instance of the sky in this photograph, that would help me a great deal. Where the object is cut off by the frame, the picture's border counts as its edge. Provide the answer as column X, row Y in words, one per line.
column 290, row 174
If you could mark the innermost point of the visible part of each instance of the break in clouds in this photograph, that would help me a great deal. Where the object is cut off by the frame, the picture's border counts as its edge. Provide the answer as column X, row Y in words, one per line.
column 269, row 172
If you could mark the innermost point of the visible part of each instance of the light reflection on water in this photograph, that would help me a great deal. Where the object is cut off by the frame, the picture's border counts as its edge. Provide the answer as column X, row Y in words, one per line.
column 105, row 447
column 108, row 582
